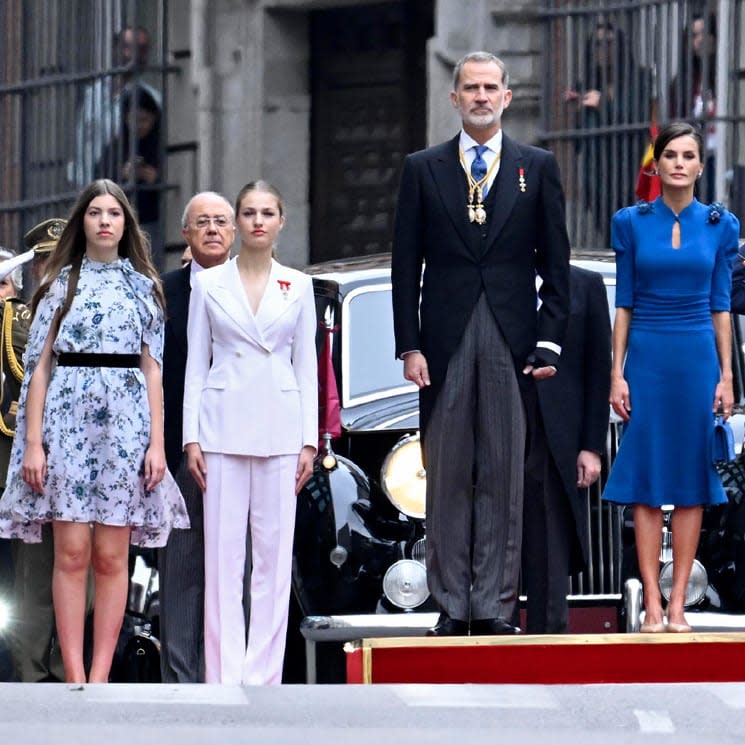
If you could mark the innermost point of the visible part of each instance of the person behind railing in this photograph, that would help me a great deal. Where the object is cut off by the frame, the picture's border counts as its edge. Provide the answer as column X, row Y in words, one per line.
column 133, row 158
column 89, row 438
column 692, row 92
column 671, row 353
column 614, row 93
column 99, row 114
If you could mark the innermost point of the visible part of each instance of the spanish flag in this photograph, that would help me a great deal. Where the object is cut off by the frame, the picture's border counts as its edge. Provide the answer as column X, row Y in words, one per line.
column 648, row 185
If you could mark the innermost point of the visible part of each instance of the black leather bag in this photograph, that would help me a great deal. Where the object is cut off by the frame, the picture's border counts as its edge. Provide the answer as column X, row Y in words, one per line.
column 137, row 655
column 731, row 468
column 732, row 474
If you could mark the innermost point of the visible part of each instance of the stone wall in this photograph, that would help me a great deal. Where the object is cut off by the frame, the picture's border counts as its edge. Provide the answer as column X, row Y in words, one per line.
column 243, row 92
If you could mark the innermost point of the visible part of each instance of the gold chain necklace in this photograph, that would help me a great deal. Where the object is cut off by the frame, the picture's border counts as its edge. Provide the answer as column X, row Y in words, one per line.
column 475, row 206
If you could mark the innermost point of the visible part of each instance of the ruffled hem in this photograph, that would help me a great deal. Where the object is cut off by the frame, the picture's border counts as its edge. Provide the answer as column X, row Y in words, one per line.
column 146, row 533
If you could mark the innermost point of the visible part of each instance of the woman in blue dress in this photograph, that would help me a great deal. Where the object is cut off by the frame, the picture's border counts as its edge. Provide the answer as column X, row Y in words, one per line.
column 88, row 455
column 672, row 330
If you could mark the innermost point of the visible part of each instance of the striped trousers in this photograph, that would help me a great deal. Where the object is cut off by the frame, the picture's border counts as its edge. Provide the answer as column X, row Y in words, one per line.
column 475, row 450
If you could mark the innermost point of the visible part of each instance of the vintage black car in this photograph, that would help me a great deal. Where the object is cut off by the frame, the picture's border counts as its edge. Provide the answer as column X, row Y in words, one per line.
column 359, row 539
column 359, row 546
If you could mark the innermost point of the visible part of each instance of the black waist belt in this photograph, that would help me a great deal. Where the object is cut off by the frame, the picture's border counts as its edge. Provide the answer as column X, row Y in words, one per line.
column 86, row 359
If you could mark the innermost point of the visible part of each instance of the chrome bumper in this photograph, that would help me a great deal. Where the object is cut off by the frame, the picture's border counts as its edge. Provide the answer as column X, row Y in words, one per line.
column 708, row 621
column 348, row 628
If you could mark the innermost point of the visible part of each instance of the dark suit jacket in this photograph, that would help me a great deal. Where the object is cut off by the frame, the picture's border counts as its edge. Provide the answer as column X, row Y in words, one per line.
column 737, row 300
column 525, row 232
column 177, row 291
column 574, row 402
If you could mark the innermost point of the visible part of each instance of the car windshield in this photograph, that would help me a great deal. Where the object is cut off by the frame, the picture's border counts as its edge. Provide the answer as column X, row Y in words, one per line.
column 369, row 368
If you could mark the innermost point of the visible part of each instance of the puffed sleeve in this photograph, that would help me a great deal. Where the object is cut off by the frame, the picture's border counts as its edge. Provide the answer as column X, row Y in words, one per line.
column 153, row 330
column 151, row 314
column 721, row 280
column 52, row 301
column 622, row 241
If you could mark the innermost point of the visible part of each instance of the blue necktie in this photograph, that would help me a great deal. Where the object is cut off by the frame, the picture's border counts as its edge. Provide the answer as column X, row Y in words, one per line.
column 478, row 167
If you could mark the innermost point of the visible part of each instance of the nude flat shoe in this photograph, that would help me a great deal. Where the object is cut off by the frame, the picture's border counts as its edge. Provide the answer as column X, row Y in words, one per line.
column 652, row 628
column 679, row 628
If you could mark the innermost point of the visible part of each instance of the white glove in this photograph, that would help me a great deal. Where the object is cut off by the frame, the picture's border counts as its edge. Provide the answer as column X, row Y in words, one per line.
column 9, row 265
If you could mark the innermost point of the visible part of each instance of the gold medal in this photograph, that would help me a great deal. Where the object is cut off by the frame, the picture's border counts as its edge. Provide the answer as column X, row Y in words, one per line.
column 475, row 206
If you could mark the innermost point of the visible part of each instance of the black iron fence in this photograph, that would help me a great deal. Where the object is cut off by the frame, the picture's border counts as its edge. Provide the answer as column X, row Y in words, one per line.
column 612, row 69
column 82, row 86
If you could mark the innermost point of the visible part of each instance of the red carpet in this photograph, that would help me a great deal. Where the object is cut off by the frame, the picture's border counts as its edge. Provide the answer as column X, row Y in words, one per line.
column 594, row 658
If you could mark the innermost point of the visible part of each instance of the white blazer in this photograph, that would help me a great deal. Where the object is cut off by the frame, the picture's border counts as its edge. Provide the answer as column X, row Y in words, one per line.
column 251, row 381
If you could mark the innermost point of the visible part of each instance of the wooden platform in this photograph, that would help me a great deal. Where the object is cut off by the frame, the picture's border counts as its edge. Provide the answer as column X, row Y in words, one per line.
column 592, row 658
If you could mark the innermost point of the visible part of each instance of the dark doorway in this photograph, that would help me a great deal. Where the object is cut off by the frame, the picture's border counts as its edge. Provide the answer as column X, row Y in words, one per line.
column 369, row 110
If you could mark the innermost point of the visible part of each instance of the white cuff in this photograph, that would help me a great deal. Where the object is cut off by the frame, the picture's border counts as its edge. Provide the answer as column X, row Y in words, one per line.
column 549, row 345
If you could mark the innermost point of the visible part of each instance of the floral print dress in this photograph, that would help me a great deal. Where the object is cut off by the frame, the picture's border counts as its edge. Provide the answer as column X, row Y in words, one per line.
column 96, row 425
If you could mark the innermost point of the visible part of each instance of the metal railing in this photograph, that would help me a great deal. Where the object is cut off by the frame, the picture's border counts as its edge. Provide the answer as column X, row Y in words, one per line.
column 613, row 68
column 77, row 80
column 602, row 576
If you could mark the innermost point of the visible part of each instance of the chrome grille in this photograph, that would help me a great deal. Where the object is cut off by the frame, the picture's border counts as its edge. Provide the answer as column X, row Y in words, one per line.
column 603, row 573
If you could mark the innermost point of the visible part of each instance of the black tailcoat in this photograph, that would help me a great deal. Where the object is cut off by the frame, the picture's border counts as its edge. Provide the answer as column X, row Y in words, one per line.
column 525, row 233
column 177, row 291
column 574, row 402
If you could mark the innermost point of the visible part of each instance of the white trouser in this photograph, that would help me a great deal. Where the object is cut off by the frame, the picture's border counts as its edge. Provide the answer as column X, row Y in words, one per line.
column 247, row 491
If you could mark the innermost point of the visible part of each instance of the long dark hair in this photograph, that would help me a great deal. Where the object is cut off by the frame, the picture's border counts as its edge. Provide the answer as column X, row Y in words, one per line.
column 147, row 147
column 72, row 243
column 692, row 74
column 622, row 58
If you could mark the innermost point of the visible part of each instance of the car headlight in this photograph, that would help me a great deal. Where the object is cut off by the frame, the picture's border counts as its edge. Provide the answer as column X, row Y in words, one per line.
column 696, row 587
column 404, row 479
column 4, row 615
column 405, row 584
column 419, row 551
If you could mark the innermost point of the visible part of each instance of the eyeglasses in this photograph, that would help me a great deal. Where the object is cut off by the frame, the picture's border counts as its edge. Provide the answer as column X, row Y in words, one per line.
column 221, row 221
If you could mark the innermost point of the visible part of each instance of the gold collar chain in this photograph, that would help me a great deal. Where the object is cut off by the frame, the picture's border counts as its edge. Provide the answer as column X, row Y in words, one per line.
column 475, row 206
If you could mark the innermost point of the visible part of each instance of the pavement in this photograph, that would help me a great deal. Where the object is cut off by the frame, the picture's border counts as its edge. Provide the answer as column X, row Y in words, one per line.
column 116, row 714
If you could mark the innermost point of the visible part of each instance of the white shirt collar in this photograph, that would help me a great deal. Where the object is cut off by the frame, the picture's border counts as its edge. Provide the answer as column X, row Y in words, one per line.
column 195, row 268
column 467, row 142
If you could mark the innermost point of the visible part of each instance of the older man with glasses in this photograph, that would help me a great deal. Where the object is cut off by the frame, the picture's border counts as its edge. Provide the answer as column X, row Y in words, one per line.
column 208, row 227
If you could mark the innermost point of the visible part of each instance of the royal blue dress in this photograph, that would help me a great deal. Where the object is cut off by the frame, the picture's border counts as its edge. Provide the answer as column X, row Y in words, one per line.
column 672, row 366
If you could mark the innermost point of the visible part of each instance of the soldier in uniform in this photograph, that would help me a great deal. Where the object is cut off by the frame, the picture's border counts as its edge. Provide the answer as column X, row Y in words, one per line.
column 14, row 321
column 35, row 651
column 15, row 318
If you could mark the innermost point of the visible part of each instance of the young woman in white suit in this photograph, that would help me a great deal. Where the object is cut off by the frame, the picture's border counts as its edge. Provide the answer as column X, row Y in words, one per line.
column 250, row 434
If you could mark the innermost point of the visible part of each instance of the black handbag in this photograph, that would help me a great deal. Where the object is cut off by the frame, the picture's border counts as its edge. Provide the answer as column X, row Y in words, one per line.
column 731, row 468
column 137, row 655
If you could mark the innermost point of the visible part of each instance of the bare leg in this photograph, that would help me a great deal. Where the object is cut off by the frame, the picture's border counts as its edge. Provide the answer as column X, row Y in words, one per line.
column 110, row 570
column 648, row 533
column 686, row 531
column 72, row 553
